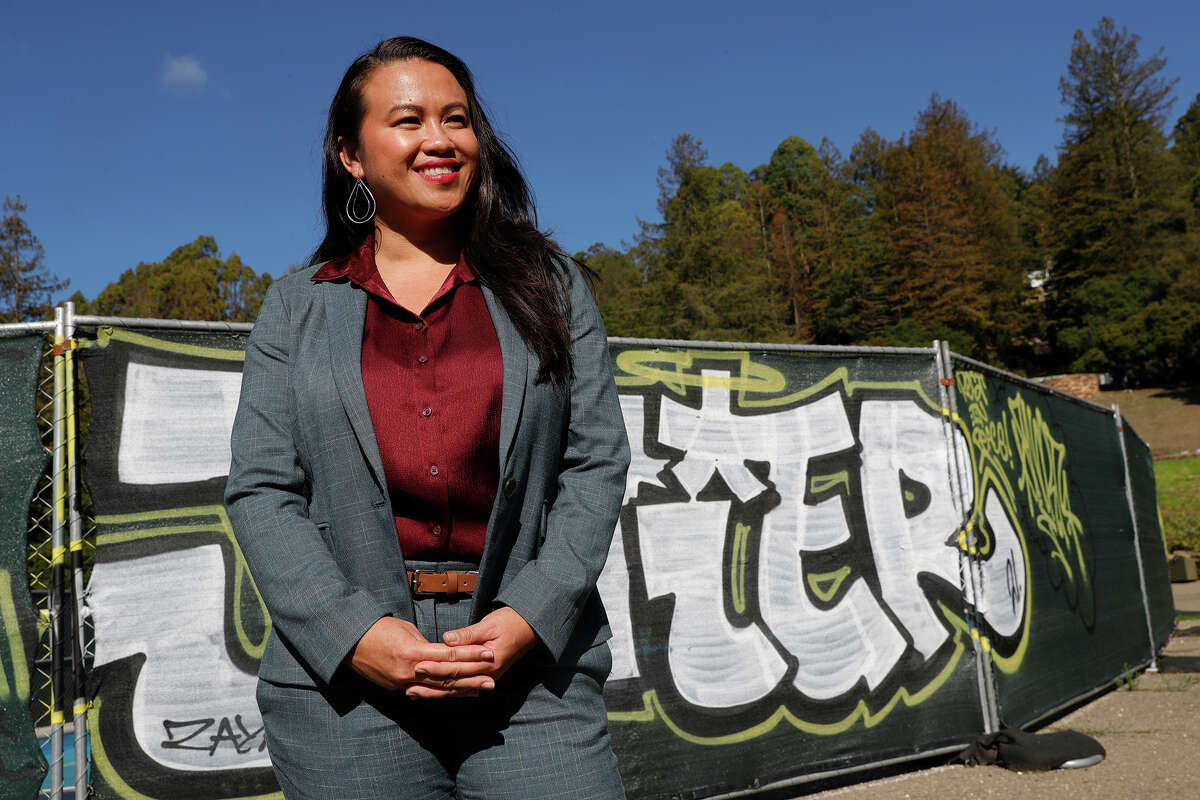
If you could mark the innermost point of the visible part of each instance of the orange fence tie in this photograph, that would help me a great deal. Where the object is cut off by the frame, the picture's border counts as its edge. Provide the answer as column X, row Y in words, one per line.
column 67, row 344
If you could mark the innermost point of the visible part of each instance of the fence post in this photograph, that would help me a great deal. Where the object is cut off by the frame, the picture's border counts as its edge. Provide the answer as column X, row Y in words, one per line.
column 78, row 641
column 57, row 558
column 960, row 482
column 1137, row 544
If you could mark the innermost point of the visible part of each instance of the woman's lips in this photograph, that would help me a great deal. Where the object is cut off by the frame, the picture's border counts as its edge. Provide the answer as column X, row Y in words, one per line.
column 443, row 173
column 443, row 177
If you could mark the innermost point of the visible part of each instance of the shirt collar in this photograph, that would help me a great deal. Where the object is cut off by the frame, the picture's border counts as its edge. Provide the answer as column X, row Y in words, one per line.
column 360, row 269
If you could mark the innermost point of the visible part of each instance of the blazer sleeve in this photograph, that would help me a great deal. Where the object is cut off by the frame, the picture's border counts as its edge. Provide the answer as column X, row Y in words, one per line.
column 312, row 605
column 551, row 591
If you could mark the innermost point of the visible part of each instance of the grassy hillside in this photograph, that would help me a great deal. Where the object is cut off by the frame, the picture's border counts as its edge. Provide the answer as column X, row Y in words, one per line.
column 1179, row 501
column 1167, row 419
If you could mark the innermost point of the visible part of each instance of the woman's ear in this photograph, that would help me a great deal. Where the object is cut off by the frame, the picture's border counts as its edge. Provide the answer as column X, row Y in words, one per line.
column 348, row 153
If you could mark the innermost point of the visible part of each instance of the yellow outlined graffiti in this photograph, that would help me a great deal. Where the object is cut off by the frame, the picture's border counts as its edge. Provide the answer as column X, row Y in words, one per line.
column 118, row 529
column 16, row 686
column 156, row 524
column 737, row 567
column 991, row 459
column 241, row 572
column 102, row 762
column 639, row 369
column 106, row 333
column 825, row 585
column 1044, row 481
column 752, row 378
column 653, row 708
column 750, row 381
column 1018, row 440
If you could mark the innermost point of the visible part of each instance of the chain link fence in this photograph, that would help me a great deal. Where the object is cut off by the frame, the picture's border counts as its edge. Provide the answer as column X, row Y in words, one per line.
column 57, row 594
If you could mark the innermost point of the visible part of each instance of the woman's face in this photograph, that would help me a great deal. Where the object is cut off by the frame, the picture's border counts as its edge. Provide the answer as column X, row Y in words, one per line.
column 416, row 148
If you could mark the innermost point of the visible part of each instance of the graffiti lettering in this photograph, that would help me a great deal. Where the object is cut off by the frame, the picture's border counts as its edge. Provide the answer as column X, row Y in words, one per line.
column 16, row 685
column 817, row 546
column 1045, row 483
column 182, row 640
column 180, row 735
column 898, row 436
column 713, row 663
column 614, row 581
column 836, row 641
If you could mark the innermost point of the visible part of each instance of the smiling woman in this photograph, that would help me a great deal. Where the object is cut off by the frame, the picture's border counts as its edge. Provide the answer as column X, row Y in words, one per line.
column 415, row 145
column 428, row 461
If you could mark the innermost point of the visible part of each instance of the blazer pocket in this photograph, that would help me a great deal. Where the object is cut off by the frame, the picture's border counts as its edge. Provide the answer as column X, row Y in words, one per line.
column 542, row 518
column 326, row 532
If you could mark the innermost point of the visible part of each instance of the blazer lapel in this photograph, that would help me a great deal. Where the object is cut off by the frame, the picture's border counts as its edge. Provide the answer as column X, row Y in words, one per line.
column 345, row 312
column 515, row 356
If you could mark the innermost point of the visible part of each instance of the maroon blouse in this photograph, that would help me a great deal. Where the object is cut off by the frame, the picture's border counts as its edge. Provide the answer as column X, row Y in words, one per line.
column 434, row 383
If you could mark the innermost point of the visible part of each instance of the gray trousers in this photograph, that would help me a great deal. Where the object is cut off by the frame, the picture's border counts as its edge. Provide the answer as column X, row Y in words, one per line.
column 541, row 733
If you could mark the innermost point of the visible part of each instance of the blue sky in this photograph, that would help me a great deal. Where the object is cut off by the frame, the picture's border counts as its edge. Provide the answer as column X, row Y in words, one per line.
column 129, row 129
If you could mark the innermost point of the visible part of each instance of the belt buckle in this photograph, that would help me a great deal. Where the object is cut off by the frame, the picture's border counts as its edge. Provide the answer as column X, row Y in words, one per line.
column 414, row 583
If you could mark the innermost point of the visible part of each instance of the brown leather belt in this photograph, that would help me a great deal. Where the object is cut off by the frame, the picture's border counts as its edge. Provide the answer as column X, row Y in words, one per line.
column 449, row 582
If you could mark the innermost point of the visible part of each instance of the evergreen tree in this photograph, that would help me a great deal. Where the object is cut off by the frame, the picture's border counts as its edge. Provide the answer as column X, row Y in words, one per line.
column 26, row 285
column 954, row 253
column 619, row 289
column 860, row 298
column 703, row 265
column 808, row 236
column 1118, row 226
column 1185, row 146
column 793, row 180
column 193, row 282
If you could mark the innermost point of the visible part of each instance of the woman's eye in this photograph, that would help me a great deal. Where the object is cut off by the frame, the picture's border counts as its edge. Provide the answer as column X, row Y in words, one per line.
column 411, row 120
column 458, row 119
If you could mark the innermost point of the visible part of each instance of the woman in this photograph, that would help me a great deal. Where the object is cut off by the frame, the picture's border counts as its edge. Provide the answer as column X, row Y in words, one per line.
column 428, row 461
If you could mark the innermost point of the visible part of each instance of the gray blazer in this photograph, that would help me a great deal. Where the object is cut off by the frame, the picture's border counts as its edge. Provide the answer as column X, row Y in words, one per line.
column 308, row 497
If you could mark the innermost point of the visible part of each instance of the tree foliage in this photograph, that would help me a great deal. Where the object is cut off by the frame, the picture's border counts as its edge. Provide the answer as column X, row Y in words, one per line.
column 1087, row 263
column 193, row 282
column 1119, row 235
column 953, row 248
column 1185, row 147
column 705, row 267
column 26, row 285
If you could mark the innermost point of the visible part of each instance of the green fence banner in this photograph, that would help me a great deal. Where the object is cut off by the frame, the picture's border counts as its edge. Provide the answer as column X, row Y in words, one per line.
column 826, row 559
column 22, row 766
column 1057, row 466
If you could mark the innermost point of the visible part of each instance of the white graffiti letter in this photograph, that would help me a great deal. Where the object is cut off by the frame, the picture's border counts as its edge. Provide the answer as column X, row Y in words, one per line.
column 855, row 639
column 171, row 607
column 898, row 437
column 1002, row 599
column 613, row 584
column 712, row 663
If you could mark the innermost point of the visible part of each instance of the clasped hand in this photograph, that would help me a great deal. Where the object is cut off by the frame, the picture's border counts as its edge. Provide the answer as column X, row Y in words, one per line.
column 394, row 654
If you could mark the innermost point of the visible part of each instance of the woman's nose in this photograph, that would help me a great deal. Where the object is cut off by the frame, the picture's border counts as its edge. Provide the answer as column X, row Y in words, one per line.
column 438, row 140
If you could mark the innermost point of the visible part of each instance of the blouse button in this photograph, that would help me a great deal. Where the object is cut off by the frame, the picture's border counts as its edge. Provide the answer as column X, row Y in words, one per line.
column 433, row 470
column 426, row 411
column 422, row 359
column 420, row 326
column 437, row 530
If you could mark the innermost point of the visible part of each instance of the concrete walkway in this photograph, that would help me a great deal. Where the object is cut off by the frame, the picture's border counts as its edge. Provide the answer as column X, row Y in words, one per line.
column 1151, row 730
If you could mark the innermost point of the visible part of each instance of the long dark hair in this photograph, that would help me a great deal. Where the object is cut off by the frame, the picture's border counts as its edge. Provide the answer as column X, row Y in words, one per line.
column 501, row 239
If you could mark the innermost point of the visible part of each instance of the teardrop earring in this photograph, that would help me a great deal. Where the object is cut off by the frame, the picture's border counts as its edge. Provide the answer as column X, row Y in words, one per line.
column 360, row 195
